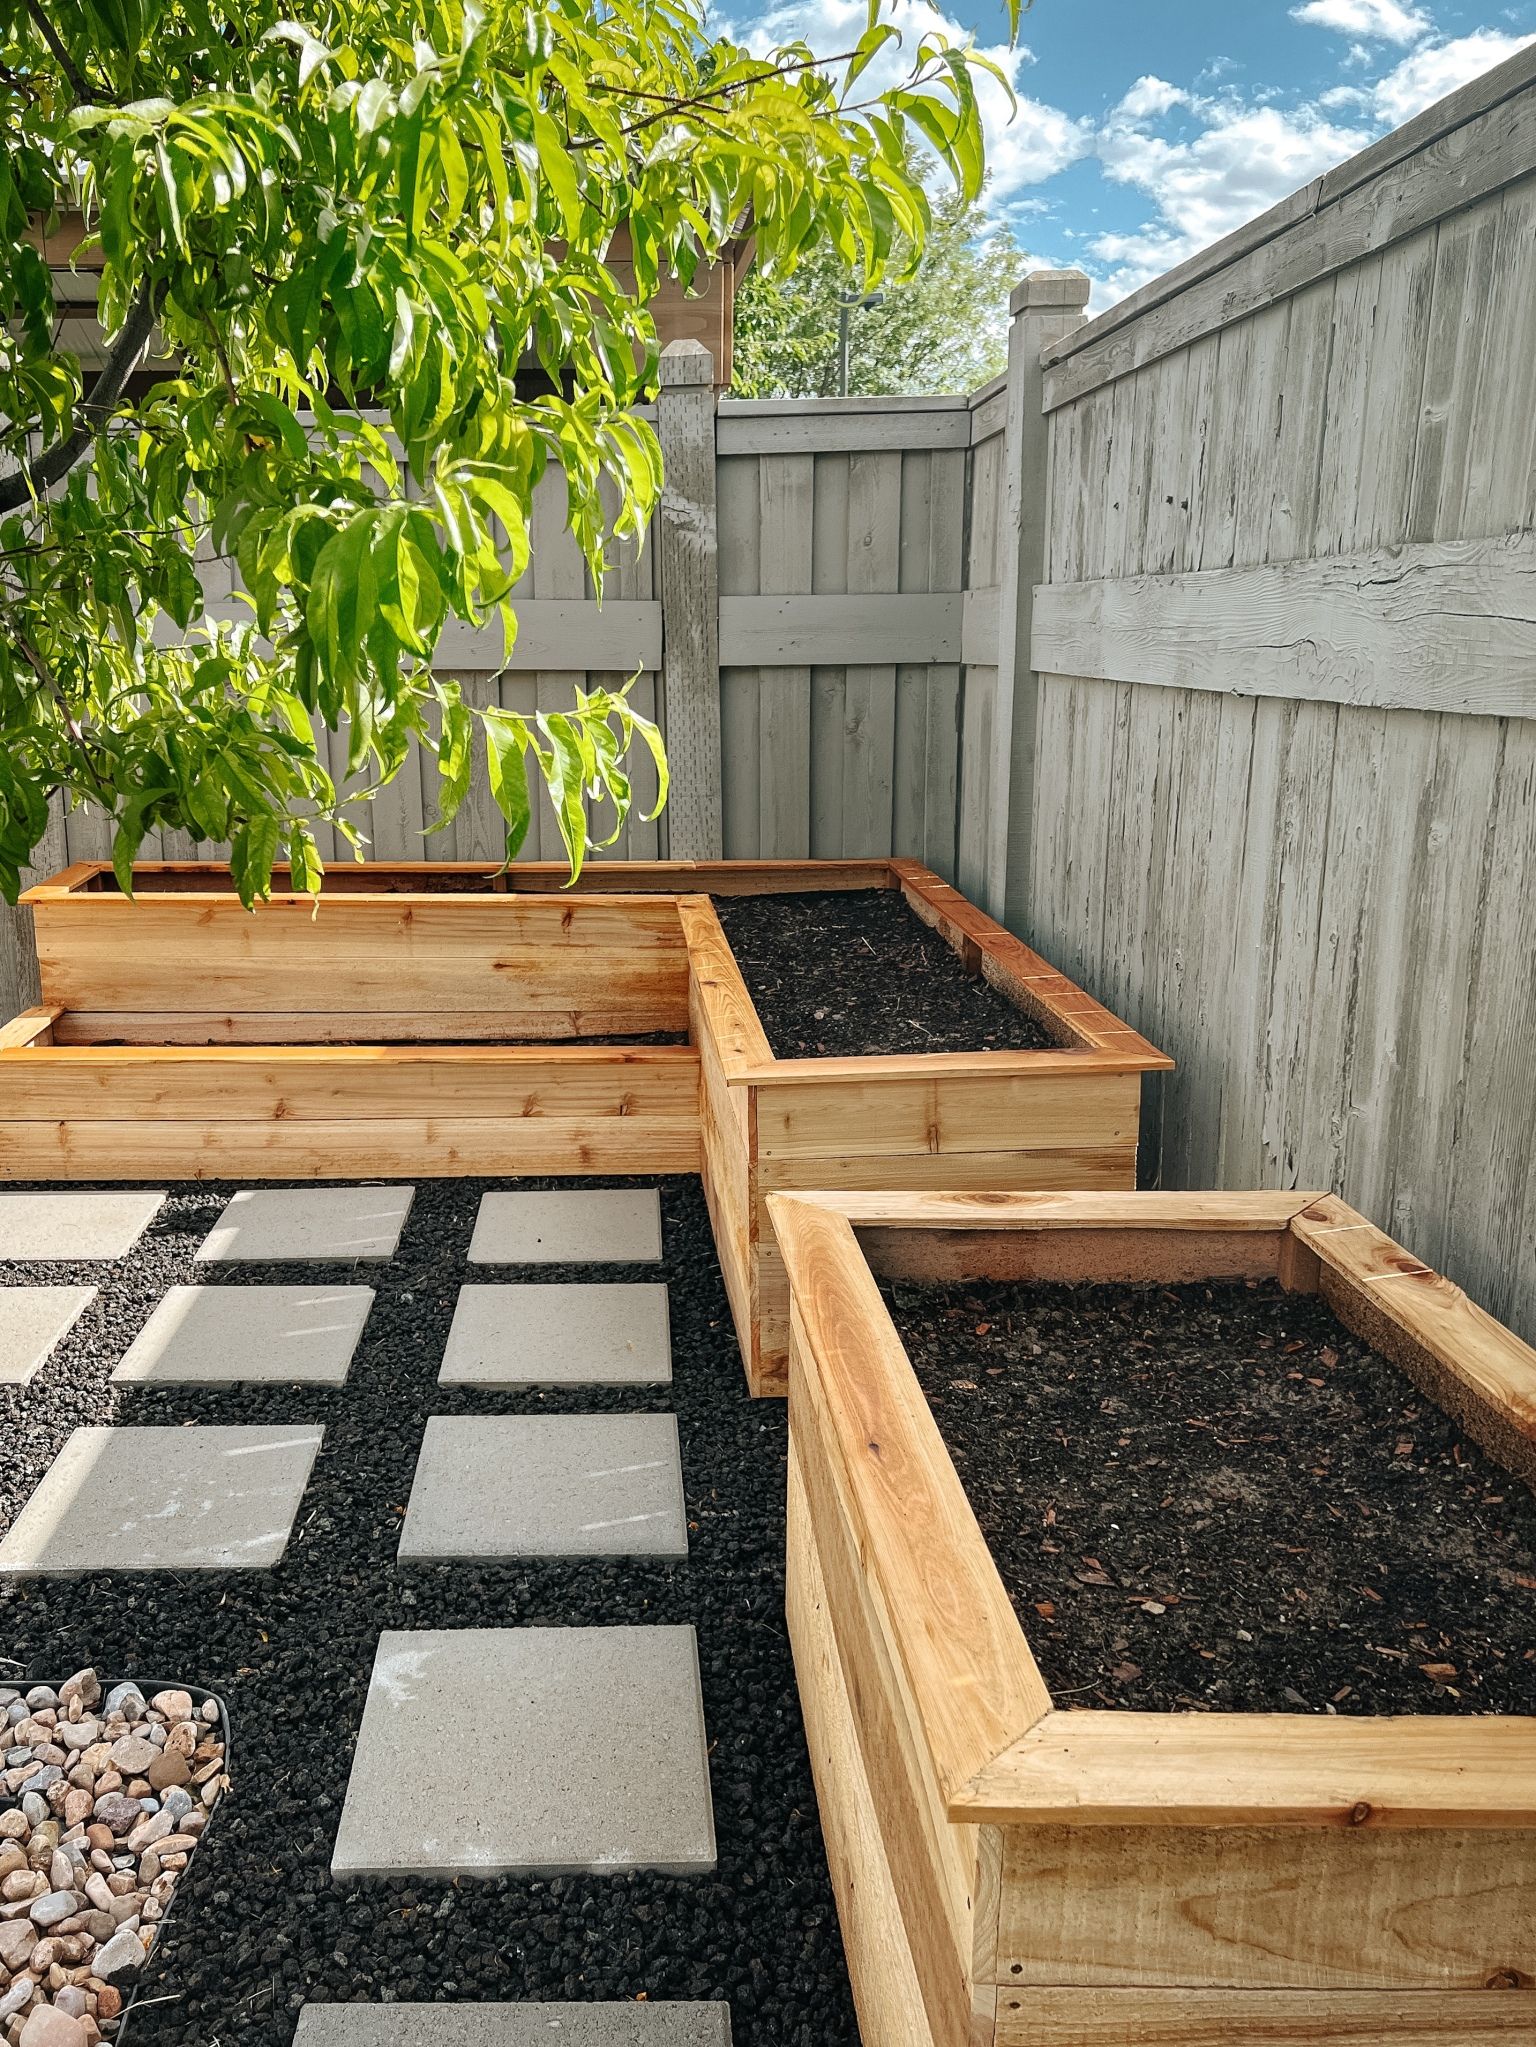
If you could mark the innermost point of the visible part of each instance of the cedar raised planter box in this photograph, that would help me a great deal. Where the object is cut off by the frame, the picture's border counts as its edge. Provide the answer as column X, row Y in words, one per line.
column 411, row 1024
column 1010, row 1874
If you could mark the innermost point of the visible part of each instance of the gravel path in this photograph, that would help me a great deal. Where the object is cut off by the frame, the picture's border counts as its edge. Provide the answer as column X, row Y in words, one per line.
column 259, row 1927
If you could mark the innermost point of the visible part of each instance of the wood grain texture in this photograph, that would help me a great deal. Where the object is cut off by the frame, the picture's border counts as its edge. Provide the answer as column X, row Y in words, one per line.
column 687, row 547
column 886, row 1989
column 1431, row 626
column 622, row 958
column 1265, row 1908
column 974, row 1684
column 1267, row 2018
column 305, row 1084
column 439, row 1147
column 1211, row 1770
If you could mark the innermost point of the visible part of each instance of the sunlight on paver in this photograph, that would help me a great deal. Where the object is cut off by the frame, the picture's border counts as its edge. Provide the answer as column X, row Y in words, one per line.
column 163, row 1499
column 546, row 1485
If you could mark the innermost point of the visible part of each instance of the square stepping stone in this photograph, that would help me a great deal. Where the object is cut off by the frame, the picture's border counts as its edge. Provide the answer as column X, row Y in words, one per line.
column 234, row 1335
column 514, row 2025
column 546, row 1485
column 559, row 1333
column 568, row 1226
column 32, row 1320
column 588, row 1754
column 163, row 1499
column 338, row 1223
column 72, row 1223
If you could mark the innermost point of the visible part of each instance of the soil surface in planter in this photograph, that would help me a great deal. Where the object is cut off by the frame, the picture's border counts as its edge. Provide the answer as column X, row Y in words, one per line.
column 855, row 971
column 260, row 1927
column 1215, row 1496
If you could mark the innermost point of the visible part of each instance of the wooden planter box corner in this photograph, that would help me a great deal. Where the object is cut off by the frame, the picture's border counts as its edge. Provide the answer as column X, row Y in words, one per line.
column 180, row 1034
column 1010, row 1874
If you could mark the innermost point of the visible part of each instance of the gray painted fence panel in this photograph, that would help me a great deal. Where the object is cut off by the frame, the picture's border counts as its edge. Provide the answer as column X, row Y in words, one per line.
column 1276, row 821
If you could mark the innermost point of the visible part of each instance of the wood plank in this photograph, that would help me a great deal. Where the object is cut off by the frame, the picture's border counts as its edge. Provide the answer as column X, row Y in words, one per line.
column 786, row 513
column 1112, row 1168
column 437, row 879
column 436, row 1147
column 882, row 1116
column 1436, row 626
column 1267, row 1908
column 686, row 549
column 1048, row 2017
column 797, row 630
column 973, row 1681
column 876, row 424
column 558, row 633
column 511, row 1028
column 32, row 1027
column 886, row 1990
column 1468, row 1363
column 1210, row 1770
column 739, row 1035
column 878, row 506
column 243, row 1083
column 623, row 956
column 725, row 1157
column 1264, row 1213
column 931, row 1861
column 1098, row 1257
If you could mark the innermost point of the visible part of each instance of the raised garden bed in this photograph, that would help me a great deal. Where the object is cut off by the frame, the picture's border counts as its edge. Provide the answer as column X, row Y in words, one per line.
column 1015, row 1872
column 422, row 1019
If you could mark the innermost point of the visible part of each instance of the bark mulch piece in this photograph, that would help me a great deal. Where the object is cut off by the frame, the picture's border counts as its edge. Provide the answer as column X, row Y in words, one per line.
column 259, row 1926
column 842, row 973
column 1215, row 1496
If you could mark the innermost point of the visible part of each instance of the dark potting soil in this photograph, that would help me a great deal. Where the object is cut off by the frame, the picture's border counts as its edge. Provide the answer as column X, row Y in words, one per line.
column 841, row 973
column 259, row 1927
column 1216, row 1496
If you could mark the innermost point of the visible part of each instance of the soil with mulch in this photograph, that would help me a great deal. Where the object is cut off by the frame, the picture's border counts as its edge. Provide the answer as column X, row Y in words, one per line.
column 841, row 973
column 259, row 1926
column 1215, row 1496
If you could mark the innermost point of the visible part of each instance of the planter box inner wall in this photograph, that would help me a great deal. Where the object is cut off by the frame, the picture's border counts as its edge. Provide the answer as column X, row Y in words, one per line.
column 434, row 1019
column 1013, row 1874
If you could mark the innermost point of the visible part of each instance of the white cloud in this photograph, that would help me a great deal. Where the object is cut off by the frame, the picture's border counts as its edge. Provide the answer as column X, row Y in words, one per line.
column 1149, row 97
column 1429, row 73
column 1387, row 19
column 1240, row 162
column 1207, row 157
column 1037, row 142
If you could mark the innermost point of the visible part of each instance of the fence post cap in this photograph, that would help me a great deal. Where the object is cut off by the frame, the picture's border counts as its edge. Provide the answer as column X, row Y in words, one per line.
column 686, row 362
column 1057, row 289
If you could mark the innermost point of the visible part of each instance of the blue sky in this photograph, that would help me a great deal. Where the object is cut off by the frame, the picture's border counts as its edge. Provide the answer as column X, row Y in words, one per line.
column 1147, row 128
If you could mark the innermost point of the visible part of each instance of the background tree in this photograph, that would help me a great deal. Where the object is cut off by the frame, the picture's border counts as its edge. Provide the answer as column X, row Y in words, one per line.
column 347, row 228
column 942, row 327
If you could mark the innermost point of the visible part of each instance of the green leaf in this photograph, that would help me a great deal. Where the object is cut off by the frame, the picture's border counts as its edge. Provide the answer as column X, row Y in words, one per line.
column 507, row 741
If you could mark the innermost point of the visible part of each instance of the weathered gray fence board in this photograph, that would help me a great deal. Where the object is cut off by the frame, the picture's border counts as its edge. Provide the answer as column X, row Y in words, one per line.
column 1444, row 625
column 1284, row 807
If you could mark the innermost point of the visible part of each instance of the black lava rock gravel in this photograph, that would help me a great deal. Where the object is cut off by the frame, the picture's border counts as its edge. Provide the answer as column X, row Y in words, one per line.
column 1217, row 1497
column 840, row 973
column 259, row 1927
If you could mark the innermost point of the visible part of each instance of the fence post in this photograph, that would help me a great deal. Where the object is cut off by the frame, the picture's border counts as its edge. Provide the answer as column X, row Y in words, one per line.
column 687, row 560
column 1047, row 305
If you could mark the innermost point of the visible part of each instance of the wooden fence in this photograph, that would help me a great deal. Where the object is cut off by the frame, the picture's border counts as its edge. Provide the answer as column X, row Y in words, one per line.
column 815, row 617
column 1201, row 646
column 1285, row 811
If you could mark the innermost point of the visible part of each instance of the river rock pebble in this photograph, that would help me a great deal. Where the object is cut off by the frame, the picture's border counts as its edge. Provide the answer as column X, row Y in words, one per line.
column 89, row 1860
